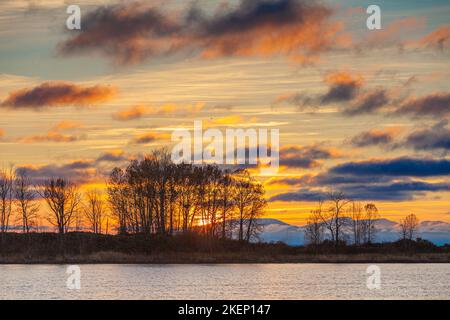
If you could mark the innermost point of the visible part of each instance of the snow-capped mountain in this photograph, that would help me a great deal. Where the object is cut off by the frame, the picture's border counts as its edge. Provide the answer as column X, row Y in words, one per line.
column 274, row 230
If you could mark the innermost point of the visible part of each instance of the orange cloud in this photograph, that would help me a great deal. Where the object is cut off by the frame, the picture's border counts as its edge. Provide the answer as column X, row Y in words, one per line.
column 149, row 138
column 113, row 156
column 131, row 113
column 52, row 94
column 302, row 40
column 131, row 33
column 229, row 120
column 67, row 125
column 344, row 78
column 139, row 111
column 2, row 133
column 395, row 33
column 49, row 137
column 438, row 39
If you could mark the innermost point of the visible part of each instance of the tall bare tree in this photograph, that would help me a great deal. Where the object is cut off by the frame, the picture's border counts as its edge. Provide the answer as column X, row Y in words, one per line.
column 118, row 196
column 94, row 210
column 314, row 229
column 358, row 223
column 64, row 200
column 333, row 215
column 6, row 198
column 249, row 204
column 25, row 200
column 370, row 219
column 227, row 195
column 409, row 226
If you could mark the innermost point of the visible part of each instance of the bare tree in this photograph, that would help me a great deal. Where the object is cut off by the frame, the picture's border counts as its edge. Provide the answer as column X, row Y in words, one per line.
column 370, row 220
column 6, row 198
column 358, row 223
column 227, row 194
column 332, row 216
column 118, row 192
column 25, row 200
column 408, row 226
column 249, row 204
column 314, row 229
column 64, row 200
column 94, row 210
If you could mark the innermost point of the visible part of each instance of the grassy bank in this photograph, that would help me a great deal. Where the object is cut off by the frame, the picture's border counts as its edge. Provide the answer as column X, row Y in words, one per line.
column 220, row 258
column 90, row 248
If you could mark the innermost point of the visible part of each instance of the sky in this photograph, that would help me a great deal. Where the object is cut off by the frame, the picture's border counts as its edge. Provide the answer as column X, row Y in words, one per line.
column 360, row 111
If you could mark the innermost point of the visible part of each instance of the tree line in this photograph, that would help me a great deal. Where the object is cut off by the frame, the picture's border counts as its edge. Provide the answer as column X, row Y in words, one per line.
column 150, row 196
column 156, row 196
column 339, row 219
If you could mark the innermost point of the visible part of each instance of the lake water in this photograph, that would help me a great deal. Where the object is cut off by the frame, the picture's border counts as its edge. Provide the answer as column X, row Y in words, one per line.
column 230, row 281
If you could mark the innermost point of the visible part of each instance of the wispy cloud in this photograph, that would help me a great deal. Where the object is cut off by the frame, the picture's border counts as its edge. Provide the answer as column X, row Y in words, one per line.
column 67, row 125
column 139, row 111
column 49, row 137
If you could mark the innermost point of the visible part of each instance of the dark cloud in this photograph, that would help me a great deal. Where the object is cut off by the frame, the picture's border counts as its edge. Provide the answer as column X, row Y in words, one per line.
column 340, row 92
column 433, row 105
column 343, row 86
column 52, row 94
column 112, row 156
column 400, row 167
column 304, row 157
column 148, row 138
column 354, row 98
column 367, row 103
column 437, row 137
column 372, row 138
column 331, row 179
column 80, row 171
column 133, row 32
column 401, row 191
column 387, row 180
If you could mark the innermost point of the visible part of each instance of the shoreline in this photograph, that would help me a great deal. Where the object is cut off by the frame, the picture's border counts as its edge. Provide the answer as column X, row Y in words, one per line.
column 201, row 258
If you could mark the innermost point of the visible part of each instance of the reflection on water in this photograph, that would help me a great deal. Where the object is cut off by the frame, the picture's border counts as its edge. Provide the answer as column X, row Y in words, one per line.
column 231, row 281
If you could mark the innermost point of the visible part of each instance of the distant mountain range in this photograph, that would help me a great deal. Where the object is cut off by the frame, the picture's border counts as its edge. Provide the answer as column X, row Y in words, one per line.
column 274, row 230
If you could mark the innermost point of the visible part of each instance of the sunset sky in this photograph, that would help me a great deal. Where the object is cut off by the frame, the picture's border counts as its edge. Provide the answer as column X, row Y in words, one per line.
column 361, row 111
